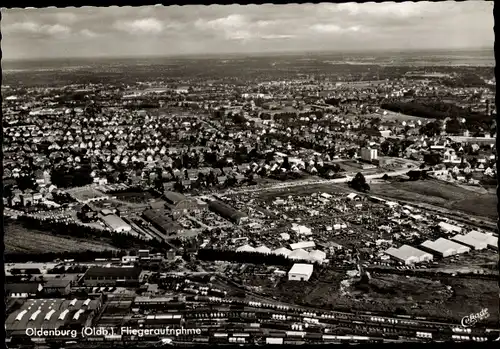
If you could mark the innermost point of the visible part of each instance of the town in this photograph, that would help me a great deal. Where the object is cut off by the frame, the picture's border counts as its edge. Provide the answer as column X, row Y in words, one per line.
column 274, row 199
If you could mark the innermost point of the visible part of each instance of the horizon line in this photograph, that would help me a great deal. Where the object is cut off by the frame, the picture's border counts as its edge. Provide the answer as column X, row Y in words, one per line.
column 202, row 55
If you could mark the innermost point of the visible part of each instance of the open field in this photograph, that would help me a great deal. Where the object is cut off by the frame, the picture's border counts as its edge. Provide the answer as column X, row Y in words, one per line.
column 18, row 239
column 449, row 298
column 440, row 194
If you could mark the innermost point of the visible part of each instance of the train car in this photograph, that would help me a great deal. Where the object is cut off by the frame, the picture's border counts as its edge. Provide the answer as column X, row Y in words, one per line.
column 277, row 334
column 271, row 340
column 295, row 334
column 293, row 342
column 314, row 336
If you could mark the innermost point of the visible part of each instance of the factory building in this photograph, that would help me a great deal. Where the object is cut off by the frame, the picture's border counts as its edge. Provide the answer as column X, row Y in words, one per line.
column 300, row 272
column 228, row 212
column 161, row 222
column 116, row 224
column 52, row 314
column 449, row 228
column 179, row 204
column 409, row 255
column 491, row 241
column 471, row 242
column 114, row 276
column 369, row 154
column 444, row 247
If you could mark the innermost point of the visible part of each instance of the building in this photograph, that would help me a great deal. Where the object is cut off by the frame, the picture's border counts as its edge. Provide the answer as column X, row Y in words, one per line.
column 303, row 245
column 444, row 247
column 263, row 249
column 282, row 251
column 491, row 241
column 161, row 222
column 317, row 256
column 369, row 154
column 116, row 224
column 300, row 272
column 51, row 314
column 23, row 289
column 180, row 205
column 300, row 254
column 114, row 276
column 449, row 228
column 245, row 248
column 409, row 255
column 470, row 241
column 228, row 212
column 58, row 286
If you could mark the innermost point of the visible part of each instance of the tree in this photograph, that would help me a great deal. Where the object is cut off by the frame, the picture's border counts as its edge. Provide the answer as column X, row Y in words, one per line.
column 359, row 183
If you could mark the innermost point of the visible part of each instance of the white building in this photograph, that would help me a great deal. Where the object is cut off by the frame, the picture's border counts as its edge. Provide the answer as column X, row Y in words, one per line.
column 263, row 249
column 445, row 247
column 469, row 241
column 491, row 241
column 301, row 230
column 303, row 245
column 245, row 248
column 317, row 255
column 300, row 272
column 449, row 228
column 409, row 255
column 116, row 224
column 283, row 251
column 369, row 154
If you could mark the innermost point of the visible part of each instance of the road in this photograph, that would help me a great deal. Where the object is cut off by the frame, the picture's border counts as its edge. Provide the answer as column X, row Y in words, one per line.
column 302, row 183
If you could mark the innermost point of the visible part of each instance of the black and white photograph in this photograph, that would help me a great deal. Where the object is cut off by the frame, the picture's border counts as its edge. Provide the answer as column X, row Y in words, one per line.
column 250, row 175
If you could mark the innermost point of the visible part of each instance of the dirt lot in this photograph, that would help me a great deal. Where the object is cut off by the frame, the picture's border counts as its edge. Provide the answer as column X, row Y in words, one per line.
column 21, row 240
column 396, row 293
column 441, row 194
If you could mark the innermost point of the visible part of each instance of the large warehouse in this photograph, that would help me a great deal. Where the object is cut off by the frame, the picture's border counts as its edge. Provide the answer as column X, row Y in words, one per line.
column 115, row 276
column 300, row 272
column 491, row 241
column 160, row 221
column 445, row 247
column 179, row 204
column 409, row 255
column 469, row 241
column 226, row 211
column 116, row 224
column 51, row 314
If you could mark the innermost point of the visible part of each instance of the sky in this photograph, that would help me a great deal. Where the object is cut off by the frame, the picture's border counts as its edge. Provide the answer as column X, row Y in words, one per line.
column 222, row 29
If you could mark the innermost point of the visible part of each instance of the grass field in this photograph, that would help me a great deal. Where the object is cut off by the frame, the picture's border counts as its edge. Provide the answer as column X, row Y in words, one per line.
column 390, row 293
column 440, row 194
column 20, row 240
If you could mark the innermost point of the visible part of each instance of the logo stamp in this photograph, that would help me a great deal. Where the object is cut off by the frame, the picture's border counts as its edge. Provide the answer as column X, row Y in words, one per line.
column 472, row 319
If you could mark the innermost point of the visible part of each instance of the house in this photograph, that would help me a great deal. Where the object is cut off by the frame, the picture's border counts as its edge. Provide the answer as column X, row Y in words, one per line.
column 300, row 272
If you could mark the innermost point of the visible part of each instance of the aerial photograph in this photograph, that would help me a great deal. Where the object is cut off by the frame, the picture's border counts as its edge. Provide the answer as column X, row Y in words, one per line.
column 250, row 175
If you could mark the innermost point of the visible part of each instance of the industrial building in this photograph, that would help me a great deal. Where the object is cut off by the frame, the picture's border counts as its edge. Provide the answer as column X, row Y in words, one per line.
column 282, row 251
column 409, row 255
column 161, row 222
column 491, row 241
column 51, row 314
column 470, row 241
column 245, row 248
column 179, row 204
column 444, row 247
column 226, row 211
column 303, row 245
column 300, row 272
column 449, row 228
column 369, row 154
column 116, row 224
column 113, row 276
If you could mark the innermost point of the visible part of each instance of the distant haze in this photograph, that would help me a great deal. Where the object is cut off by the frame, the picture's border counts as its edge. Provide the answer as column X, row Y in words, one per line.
column 194, row 30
